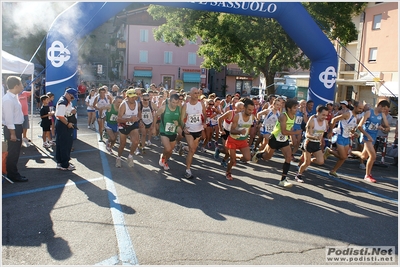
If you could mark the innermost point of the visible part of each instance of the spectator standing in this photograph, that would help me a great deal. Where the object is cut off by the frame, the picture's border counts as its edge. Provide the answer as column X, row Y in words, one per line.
column 46, row 115
column 82, row 93
column 12, row 119
column 65, row 129
column 23, row 99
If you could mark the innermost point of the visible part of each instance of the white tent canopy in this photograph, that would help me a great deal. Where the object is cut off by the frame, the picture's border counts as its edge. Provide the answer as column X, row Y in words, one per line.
column 11, row 64
column 14, row 65
column 389, row 89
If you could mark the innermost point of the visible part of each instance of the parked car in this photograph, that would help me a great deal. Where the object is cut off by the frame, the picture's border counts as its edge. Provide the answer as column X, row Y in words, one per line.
column 255, row 91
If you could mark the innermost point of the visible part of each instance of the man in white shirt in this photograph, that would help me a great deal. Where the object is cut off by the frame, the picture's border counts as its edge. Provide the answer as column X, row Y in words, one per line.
column 12, row 119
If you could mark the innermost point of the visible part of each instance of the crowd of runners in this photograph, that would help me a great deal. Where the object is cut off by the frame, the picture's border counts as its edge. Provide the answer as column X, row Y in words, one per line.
column 241, row 129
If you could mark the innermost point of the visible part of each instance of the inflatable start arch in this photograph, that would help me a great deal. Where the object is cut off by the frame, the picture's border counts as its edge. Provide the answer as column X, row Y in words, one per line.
column 83, row 17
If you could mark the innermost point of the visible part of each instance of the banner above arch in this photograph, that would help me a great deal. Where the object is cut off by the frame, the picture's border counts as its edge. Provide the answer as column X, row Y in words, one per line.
column 84, row 17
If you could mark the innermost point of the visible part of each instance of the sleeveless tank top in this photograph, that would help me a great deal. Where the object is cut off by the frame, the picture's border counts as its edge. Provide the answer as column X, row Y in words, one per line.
column 243, row 125
column 270, row 120
column 318, row 130
column 130, row 112
column 228, row 123
column 372, row 123
column 345, row 126
column 167, row 125
column 112, row 115
column 147, row 114
column 194, row 119
column 277, row 129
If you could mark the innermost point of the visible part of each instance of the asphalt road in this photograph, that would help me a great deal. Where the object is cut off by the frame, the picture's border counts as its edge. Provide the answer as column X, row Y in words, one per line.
column 103, row 215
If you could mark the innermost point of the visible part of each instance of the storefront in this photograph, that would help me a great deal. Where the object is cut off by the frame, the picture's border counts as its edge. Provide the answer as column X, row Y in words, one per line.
column 142, row 76
column 191, row 79
column 243, row 85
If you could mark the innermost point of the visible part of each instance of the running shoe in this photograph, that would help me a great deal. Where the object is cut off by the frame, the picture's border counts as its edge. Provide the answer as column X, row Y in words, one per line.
column 255, row 158
column 163, row 163
column 285, row 184
column 70, row 168
column 298, row 178
column 46, row 145
column 229, row 176
column 209, row 144
column 118, row 162
column 216, row 154
column 88, row 126
column 369, row 178
column 202, row 149
column 108, row 148
column 326, row 153
column 334, row 174
column 188, row 174
column 156, row 138
column 137, row 151
column 51, row 143
column 181, row 150
column 224, row 163
column 130, row 161
column 362, row 166
column 148, row 143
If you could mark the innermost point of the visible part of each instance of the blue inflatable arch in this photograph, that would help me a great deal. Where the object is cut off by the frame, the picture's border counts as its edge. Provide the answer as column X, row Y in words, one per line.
column 83, row 17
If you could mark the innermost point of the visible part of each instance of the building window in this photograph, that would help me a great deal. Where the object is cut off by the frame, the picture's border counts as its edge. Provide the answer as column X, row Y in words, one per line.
column 349, row 67
column 143, row 56
column 192, row 58
column 167, row 57
column 144, row 36
column 349, row 92
column 377, row 22
column 373, row 52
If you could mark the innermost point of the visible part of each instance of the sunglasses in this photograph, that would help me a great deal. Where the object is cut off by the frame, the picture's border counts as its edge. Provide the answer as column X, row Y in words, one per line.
column 211, row 104
column 146, row 99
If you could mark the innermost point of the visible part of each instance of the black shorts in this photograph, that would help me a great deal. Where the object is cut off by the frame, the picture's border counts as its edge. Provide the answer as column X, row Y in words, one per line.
column 225, row 136
column 195, row 135
column 274, row 144
column 312, row 147
column 171, row 137
column 147, row 126
column 128, row 129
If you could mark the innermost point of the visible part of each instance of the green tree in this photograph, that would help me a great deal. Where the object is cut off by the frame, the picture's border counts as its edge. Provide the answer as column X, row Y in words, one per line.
column 256, row 44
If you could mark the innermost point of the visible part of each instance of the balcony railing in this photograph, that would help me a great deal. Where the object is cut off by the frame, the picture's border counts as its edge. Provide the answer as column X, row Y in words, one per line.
column 121, row 44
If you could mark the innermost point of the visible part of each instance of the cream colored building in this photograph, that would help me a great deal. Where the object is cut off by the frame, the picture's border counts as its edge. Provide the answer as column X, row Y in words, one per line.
column 368, row 68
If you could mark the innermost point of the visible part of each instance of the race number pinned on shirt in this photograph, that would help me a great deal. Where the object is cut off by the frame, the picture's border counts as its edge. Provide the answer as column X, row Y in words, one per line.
column 170, row 127
column 298, row 120
column 194, row 118
column 113, row 117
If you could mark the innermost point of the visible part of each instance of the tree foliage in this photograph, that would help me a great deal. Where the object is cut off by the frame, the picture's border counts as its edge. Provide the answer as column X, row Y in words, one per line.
column 256, row 44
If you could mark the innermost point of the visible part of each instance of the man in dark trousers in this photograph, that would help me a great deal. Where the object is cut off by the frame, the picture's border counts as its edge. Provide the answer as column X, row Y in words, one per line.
column 65, row 129
column 12, row 119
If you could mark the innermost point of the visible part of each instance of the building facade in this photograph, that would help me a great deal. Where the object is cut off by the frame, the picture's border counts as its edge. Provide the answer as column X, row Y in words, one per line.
column 368, row 67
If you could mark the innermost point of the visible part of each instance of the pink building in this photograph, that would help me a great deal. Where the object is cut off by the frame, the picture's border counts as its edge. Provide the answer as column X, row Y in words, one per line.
column 150, row 61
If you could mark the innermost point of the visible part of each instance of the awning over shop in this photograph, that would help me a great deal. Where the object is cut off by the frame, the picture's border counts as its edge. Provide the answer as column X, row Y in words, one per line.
column 191, row 77
column 142, row 73
column 389, row 89
column 290, row 91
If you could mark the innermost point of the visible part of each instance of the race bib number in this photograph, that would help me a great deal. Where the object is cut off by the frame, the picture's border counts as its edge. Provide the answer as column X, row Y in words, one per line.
column 281, row 138
column 346, row 131
column 269, row 127
column 194, row 119
column 113, row 117
column 208, row 120
column 298, row 120
column 146, row 115
column 373, row 127
column 170, row 127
